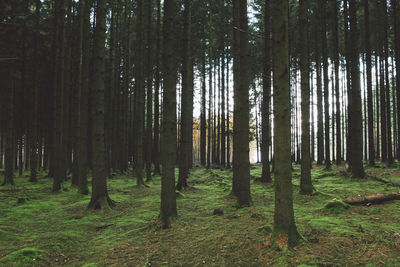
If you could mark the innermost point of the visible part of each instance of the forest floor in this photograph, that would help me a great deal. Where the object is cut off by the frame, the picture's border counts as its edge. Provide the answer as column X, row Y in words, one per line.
column 48, row 229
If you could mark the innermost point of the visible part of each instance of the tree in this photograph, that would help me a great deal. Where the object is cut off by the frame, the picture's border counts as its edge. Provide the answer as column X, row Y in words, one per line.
column 326, row 83
column 139, row 98
column 8, row 72
column 187, row 94
column 371, row 148
column 355, row 115
column 337, row 85
column 34, row 147
column 241, row 164
column 266, row 99
column 284, row 224
column 149, row 85
column 396, row 23
column 156, row 142
column 168, row 134
column 83, row 105
column 306, row 186
column 100, row 198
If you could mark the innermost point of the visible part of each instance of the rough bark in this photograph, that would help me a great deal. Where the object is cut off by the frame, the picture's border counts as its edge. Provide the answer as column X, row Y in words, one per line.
column 168, row 196
column 186, row 125
column 284, row 224
column 241, row 164
column 355, row 116
column 100, row 198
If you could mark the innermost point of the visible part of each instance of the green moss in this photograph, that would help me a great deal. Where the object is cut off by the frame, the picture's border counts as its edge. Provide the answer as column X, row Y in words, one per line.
column 23, row 257
column 336, row 206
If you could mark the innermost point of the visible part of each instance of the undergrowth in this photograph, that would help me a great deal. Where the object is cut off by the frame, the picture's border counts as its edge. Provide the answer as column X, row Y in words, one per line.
column 40, row 228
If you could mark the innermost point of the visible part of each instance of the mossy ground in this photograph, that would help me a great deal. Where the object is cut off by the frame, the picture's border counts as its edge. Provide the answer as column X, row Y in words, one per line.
column 56, row 229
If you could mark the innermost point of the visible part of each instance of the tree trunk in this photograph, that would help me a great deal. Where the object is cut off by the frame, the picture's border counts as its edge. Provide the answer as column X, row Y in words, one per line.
column 372, row 198
column 266, row 99
column 355, row 116
column 186, row 125
column 371, row 147
column 140, row 99
column 306, row 186
column 84, row 102
column 100, row 198
column 203, row 131
column 34, row 147
column 326, row 84
column 284, row 224
column 337, row 86
column 168, row 196
column 396, row 23
column 320, row 124
column 241, row 164
column 149, row 86
column 156, row 142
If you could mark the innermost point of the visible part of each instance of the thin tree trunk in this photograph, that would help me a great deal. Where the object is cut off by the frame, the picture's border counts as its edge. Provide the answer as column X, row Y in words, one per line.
column 306, row 186
column 156, row 142
column 371, row 147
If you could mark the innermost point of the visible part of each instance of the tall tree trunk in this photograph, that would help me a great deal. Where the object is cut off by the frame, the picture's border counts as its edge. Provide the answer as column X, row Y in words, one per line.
column 387, row 87
column 149, row 85
column 223, row 139
column 156, row 142
column 306, row 186
column 140, row 99
column 186, row 125
column 326, row 84
column 284, row 225
column 241, row 164
column 100, row 198
column 34, row 147
column 203, row 131
column 396, row 23
column 8, row 101
column 168, row 196
column 266, row 99
column 59, row 135
column 84, row 102
column 377, row 107
column 337, row 86
column 355, row 116
column 371, row 147
column 228, row 119
column 320, row 124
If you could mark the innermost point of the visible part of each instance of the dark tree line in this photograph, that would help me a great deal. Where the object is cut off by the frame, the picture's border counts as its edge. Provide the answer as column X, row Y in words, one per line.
column 93, row 88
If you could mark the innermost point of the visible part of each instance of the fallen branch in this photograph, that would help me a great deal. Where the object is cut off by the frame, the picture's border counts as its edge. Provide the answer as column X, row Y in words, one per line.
column 384, row 181
column 372, row 198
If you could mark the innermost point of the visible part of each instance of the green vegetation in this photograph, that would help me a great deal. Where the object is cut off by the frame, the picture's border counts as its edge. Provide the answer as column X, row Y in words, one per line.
column 56, row 228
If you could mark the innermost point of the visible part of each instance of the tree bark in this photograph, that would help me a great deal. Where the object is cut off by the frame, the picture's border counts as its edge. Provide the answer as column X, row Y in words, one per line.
column 266, row 99
column 168, row 196
column 284, row 224
column 306, row 186
column 241, row 164
column 371, row 147
column 186, row 125
column 100, row 198
column 355, row 116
